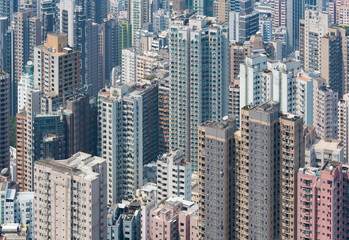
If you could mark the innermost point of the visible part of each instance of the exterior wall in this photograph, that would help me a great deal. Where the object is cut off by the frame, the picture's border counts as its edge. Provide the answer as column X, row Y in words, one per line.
column 4, row 120
column 325, row 110
column 320, row 201
column 189, row 86
column 21, row 151
column 71, row 200
column 173, row 176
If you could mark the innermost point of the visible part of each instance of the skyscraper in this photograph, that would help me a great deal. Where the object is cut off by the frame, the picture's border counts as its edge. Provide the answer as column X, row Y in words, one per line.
column 48, row 18
column 71, row 198
column 343, row 124
column 216, row 179
column 57, row 66
column 266, row 208
column 334, row 59
column 196, row 94
column 325, row 116
column 80, row 120
column 5, row 45
column 140, row 14
column 127, row 135
column 316, row 25
column 21, row 45
column 4, row 120
column 248, row 20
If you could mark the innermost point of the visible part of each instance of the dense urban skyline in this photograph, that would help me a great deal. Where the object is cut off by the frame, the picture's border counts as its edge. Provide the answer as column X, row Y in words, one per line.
column 174, row 119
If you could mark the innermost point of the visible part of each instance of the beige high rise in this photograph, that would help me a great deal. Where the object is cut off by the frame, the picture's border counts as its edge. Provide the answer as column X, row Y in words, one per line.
column 71, row 198
column 56, row 66
column 270, row 146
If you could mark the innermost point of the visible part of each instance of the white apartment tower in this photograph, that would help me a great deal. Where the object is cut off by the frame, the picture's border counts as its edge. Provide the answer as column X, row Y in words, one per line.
column 173, row 176
column 71, row 198
column 128, row 65
column 343, row 124
column 199, row 72
column 316, row 25
column 262, row 81
column 123, row 139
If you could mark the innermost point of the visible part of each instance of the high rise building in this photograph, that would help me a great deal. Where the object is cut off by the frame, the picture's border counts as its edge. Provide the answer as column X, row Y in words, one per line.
column 111, row 46
column 18, row 207
column 262, row 81
column 48, row 17
column 22, row 38
column 140, row 15
column 164, row 113
column 21, row 151
column 57, row 67
column 66, row 19
column 265, row 208
column 26, row 83
column 173, row 176
column 343, row 122
column 35, row 38
column 128, row 65
column 4, row 120
column 216, row 179
column 221, row 10
column 5, row 45
column 48, row 137
column 71, row 198
column 124, row 36
column 7, row 8
column 127, row 135
column 279, row 13
column 27, row 168
column 237, row 55
column 334, row 59
column 294, row 12
column 316, row 25
column 80, row 118
column 196, row 95
column 248, row 20
column 322, row 201
column 325, row 110
column 95, row 62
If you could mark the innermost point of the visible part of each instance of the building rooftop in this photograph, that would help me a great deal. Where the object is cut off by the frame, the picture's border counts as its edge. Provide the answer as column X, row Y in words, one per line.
column 332, row 144
column 80, row 164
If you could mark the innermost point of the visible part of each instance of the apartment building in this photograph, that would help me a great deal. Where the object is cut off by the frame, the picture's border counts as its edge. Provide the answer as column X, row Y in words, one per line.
column 18, row 207
column 316, row 24
column 4, row 120
column 322, row 202
column 173, row 176
column 71, row 198
column 175, row 218
column 127, row 135
column 334, row 60
column 216, row 179
column 325, row 110
column 343, row 120
column 57, row 66
column 320, row 151
column 26, row 83
column 195, row 94
column 265, row 208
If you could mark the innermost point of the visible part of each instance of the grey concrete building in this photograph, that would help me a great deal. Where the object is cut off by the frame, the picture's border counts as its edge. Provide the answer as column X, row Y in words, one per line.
column 216, row 187
column 270, row 148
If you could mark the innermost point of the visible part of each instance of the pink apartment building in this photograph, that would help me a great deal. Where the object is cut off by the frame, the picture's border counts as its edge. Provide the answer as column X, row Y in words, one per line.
column 323, row 202
column 174, row 219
